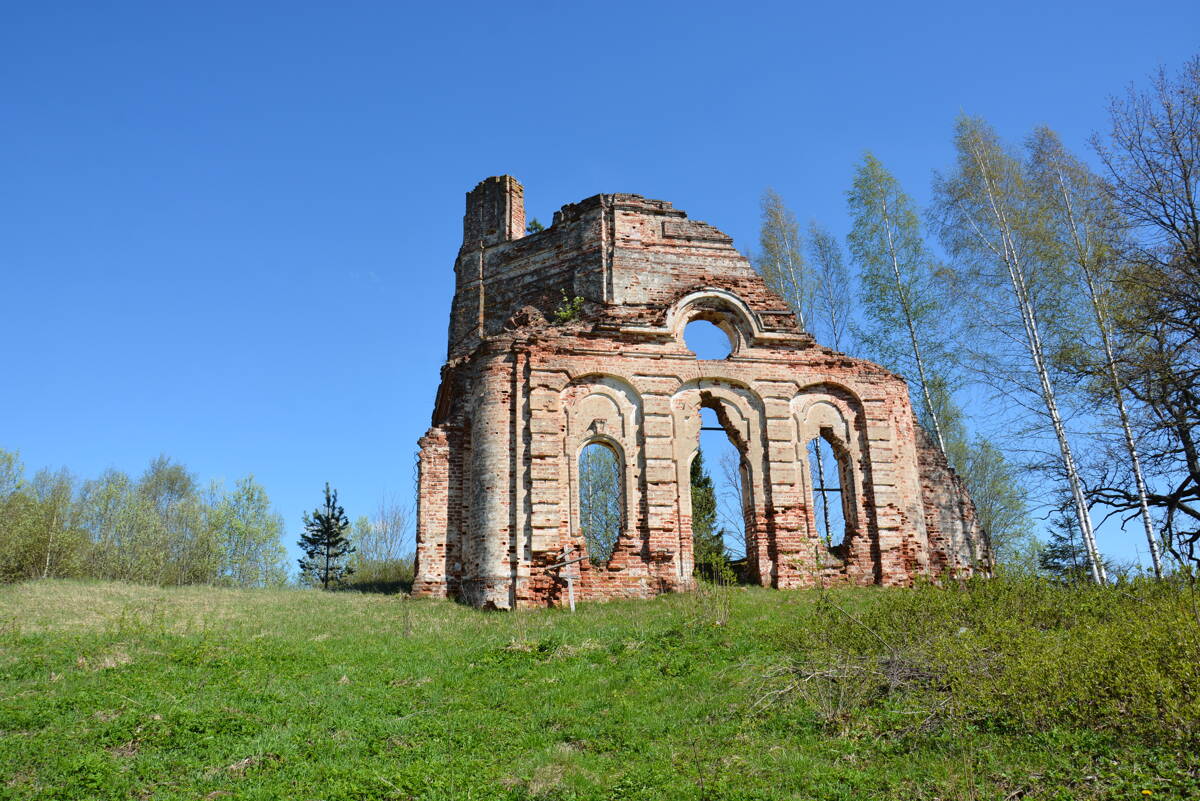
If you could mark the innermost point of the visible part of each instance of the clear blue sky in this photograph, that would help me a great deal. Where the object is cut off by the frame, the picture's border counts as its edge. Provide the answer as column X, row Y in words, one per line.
column 227, row 229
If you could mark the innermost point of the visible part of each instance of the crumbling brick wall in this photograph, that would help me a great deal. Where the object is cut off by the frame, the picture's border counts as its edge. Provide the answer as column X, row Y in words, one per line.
column 522, row 393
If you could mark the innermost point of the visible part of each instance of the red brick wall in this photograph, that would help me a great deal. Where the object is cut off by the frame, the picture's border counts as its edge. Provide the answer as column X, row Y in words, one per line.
column 522, row 394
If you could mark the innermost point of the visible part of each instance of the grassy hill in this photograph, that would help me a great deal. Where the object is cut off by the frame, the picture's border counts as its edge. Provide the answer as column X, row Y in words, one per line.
column 1001, row 690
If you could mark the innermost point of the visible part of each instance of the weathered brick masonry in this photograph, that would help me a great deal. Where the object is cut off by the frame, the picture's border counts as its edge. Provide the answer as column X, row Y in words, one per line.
column 521, row 396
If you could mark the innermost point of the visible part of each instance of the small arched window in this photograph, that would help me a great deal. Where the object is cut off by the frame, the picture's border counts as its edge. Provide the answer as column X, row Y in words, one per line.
column 830, row 490
column 707, row 340
column 601, row 500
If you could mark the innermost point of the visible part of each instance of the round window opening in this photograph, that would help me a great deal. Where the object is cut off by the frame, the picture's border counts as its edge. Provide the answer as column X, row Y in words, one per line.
column 706, row 340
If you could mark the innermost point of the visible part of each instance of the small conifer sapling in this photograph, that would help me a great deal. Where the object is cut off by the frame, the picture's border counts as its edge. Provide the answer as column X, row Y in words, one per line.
column 325, row 542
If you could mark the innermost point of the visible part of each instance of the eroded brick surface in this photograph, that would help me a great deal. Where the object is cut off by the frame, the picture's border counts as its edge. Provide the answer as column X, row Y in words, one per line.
column 522, row 394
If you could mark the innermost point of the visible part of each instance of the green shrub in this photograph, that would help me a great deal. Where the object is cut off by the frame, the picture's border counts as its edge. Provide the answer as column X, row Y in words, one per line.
column 1016, row 655
column 381, row 575
column 568, row 308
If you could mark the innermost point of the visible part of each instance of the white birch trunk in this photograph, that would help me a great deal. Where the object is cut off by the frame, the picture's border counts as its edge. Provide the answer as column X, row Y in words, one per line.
column 50, row 544
column 1033, row 340
column 912, row 333
column 1110, row 363
column 796, row 278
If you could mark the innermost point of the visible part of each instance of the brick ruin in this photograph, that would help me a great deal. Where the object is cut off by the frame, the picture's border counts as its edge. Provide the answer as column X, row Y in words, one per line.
column 523, row 392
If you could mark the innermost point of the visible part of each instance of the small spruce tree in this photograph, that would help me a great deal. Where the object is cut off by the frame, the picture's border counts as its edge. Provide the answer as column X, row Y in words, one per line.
column 1064, row 557
column 325, row 543
column 708, row 542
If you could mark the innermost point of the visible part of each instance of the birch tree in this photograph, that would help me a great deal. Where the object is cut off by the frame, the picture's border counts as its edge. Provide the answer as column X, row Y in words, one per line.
column 54, row 493
column 905, row 321
column 391, row 532
column 781, row 257
column 178, row 547
column 1152, row 162
column 38, row 535
column 118, row 522
column 833, row 296
column 989, row 221
column 158, row 529
column 248, row 533
column 385, row 546
column 1082, row 220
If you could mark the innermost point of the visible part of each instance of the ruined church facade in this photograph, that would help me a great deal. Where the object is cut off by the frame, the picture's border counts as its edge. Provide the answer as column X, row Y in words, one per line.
column 532, row 378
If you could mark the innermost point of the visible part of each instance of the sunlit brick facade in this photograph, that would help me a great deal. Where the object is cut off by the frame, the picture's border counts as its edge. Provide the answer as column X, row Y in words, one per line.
column 523, row 392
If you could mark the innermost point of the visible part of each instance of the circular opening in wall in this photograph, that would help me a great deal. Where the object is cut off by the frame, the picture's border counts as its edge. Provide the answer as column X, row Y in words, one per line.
column 706, row 340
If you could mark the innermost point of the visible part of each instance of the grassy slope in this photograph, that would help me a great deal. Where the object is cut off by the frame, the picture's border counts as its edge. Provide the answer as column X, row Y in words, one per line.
column 119, row 691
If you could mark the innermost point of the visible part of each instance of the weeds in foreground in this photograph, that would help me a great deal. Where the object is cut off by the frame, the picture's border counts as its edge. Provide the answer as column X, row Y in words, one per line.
column 991, row 690
column 712, row 594
column 1013, row 655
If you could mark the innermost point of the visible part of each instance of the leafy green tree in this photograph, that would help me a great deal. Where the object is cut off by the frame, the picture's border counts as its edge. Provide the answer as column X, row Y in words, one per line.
column 55, row 532
column 159, row 529
column 39, row 537
column 17, row 515
column 117, row 522
column 708, row 541
column 248, row 533
column 907, row 323
column 994, row 483
column 325, row 543
column 1010, row 274
column 175, row 544
column 360, row 532
column 12, row 473
column 1001, row 504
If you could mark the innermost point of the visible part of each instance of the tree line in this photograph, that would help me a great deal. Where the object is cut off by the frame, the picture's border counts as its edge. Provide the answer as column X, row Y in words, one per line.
column 1069, row 296
column 164, row 527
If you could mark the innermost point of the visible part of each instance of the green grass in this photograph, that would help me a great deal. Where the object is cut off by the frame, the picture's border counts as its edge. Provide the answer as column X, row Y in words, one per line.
column 121, row 691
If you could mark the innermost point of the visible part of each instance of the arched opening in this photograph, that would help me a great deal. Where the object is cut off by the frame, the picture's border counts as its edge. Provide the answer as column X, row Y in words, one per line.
column 706, row 339
column 601, row 500
column 719, row 502
column 830, row 490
